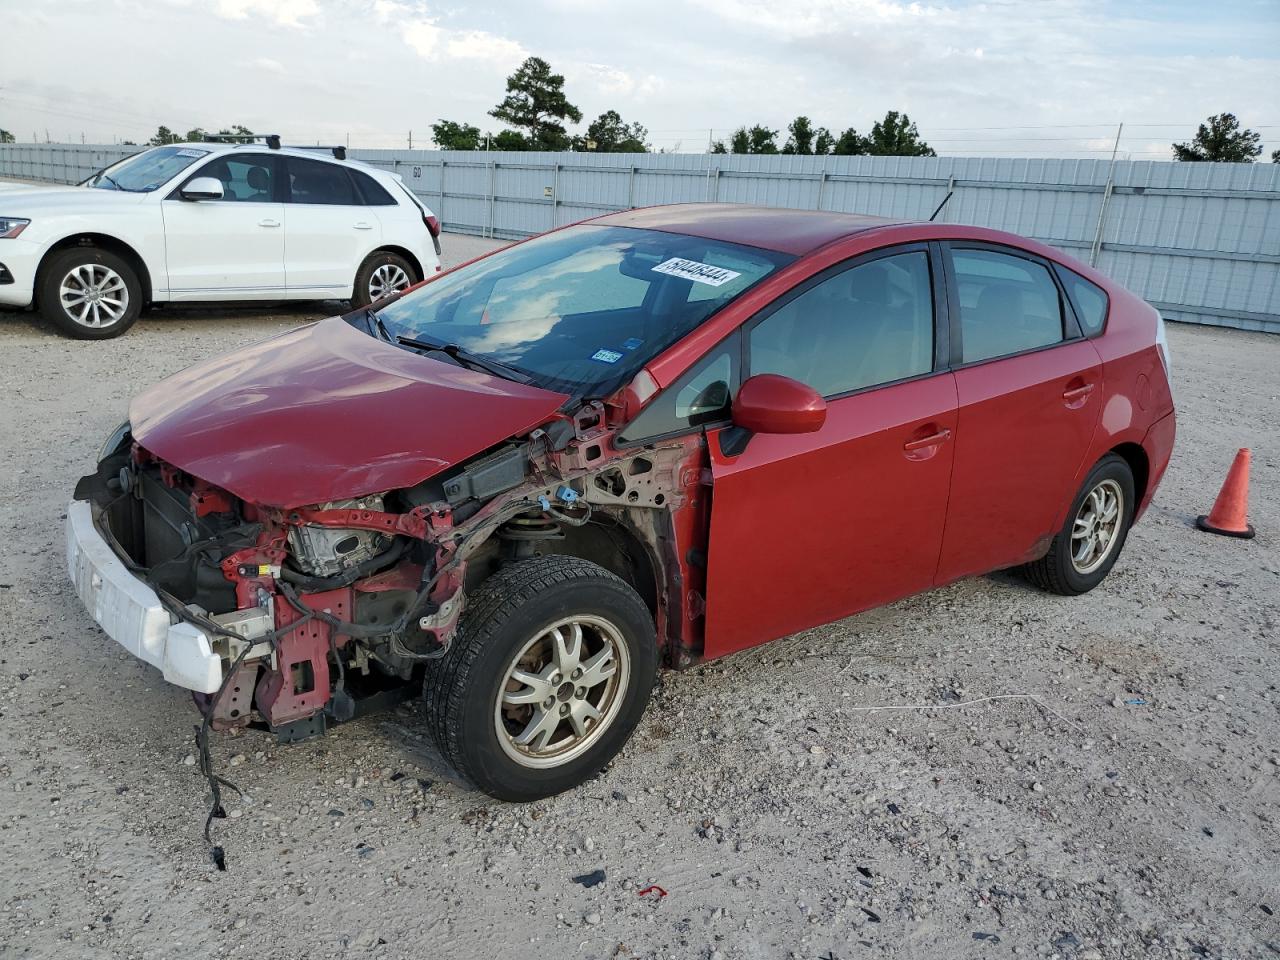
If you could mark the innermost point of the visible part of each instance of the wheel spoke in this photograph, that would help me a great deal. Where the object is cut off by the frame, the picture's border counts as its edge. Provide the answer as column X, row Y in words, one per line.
column 580, row 714
column 539, row 730
column 567, row 652
column 598, row 669
column 535, row 689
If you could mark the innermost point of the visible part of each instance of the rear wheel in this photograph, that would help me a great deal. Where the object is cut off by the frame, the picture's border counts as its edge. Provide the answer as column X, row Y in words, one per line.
column 89, row 293
column 550, row 672
column 381, row 275
column 1087, row 547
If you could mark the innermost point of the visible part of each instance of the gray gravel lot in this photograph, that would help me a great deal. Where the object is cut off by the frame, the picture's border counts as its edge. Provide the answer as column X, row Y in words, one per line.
column 1130, row 811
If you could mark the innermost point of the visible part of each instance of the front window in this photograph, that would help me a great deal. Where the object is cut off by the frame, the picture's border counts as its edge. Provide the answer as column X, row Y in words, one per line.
column 581, row 310
column 147, row 171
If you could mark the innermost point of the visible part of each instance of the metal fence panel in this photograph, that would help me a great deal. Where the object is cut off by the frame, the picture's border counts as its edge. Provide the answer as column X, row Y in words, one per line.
column 1199, row 240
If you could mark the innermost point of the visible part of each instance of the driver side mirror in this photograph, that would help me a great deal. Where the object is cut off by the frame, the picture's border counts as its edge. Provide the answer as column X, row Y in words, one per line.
column 770, row 403
column 203, row 188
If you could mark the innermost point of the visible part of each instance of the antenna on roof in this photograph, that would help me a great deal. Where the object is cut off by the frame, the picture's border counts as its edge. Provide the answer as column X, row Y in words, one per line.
column 942, row 204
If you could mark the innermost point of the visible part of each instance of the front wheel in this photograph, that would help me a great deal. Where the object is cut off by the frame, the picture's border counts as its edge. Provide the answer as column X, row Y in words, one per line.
column 381, row 275
column 550, row 672
column 1087, row 547
column 89, row 293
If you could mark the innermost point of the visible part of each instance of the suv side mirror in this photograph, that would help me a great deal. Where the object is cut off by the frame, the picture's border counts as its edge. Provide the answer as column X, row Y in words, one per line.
column 203, row 188
column 770, row 403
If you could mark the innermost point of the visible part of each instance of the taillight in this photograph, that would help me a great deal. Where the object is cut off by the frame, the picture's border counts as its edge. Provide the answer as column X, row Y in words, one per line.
column 433, row 225
column 1162, row 345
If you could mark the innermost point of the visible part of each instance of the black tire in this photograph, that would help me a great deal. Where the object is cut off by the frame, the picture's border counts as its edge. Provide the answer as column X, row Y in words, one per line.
column 515, row 605
column 361, row 294
column 1056, row 571
column 66, row 263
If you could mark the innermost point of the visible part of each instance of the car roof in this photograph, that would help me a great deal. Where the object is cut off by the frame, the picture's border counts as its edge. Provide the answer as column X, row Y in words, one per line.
column 772, row 228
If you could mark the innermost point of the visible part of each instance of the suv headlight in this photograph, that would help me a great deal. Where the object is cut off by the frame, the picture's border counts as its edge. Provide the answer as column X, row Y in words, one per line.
column 10, row 227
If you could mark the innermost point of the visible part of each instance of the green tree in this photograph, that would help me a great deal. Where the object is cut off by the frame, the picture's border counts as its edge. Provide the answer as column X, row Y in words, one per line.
column 6, row 136
column 718, row 147
column 450, row 135
column 897, row 136
column 535, row 104
column 195, row 136
column 1275, row 154
column 163, row 137
column 611, row 135
column 756, row 139
column 851, row 144
column 1222, row 140
column 805, row 139
column 509, row 140
column 237, row 134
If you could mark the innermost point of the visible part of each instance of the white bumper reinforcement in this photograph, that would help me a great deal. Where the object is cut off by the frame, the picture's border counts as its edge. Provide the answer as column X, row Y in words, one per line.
column 130, row 612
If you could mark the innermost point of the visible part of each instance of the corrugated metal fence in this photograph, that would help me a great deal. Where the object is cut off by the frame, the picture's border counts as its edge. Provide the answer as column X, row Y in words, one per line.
column 1199, row 240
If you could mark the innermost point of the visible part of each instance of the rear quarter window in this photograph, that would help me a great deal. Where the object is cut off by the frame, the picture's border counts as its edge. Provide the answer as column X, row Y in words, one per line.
column 371, row 191
column 1089, row 299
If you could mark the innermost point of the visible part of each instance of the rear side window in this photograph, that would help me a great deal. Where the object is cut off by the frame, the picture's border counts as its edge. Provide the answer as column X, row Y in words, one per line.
column 371, row 191
column 1008, row 304
column 1089, row 299
column 313, row 181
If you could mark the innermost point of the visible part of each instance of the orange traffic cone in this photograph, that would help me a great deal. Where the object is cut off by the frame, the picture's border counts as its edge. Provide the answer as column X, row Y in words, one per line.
column 1230, row 513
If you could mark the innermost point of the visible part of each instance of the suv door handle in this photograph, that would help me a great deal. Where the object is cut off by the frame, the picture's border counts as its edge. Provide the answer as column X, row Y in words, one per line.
column 268, row 223
column 363, row 225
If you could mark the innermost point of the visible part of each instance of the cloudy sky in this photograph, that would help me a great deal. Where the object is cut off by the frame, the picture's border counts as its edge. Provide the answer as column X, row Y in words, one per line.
column 1002, row 77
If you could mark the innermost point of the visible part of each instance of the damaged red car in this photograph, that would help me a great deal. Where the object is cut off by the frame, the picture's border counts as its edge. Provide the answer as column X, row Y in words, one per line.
column 657, row 437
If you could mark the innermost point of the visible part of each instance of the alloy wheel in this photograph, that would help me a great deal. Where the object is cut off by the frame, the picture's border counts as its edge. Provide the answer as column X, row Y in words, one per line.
column 562, row 691
column 1096, row 528
column 387, row 279
column 94, row 295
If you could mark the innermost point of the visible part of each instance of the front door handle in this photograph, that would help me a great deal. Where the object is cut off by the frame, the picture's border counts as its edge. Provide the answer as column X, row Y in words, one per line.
column 268, row 223
column 363, row 225
column 942, row 436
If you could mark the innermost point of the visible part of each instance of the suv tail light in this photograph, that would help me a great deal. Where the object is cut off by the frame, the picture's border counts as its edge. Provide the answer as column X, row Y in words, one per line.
column 433, row 225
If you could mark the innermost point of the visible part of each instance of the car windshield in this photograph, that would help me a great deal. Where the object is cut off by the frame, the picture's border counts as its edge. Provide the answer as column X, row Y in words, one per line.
column 146, row 171
column 580, row 310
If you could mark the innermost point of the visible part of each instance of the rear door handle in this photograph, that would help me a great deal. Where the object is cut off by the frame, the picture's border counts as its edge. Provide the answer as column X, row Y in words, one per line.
column 942, row 436
column 363, row 225
column 1077, row 393
column 268, row 223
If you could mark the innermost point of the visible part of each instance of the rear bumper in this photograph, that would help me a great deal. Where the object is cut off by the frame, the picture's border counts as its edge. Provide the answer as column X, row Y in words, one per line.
column 131, row 613
column 1158, row 445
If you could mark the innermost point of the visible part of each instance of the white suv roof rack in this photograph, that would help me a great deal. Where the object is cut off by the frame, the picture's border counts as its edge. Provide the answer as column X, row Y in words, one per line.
column 272, row 141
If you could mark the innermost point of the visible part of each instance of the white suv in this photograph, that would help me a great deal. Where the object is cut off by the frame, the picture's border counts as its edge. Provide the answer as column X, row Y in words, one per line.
column 201, row 222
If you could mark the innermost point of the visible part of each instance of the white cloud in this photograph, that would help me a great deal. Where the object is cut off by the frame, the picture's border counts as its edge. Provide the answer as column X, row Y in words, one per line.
column 287, row 13
column 269, row 65
column 422, row 35
column 481, row 45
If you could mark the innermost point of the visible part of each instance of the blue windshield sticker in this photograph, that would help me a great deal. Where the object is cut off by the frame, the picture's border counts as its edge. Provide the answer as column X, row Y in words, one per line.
column 632, row 343
column 607, row 356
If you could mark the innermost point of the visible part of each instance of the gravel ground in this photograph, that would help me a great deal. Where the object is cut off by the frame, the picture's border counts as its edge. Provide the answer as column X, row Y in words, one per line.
column 1128, row 810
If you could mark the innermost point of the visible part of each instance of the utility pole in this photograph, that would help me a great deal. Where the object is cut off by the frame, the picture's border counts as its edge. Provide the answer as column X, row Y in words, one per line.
column 1106, row 196
column 410, row 139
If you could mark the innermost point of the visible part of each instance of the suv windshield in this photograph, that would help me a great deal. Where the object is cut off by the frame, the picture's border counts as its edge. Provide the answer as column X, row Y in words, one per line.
column 581, row 310
column 146, row 171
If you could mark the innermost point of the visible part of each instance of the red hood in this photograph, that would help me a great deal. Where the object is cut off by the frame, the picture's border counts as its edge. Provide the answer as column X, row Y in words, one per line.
column 327, row 412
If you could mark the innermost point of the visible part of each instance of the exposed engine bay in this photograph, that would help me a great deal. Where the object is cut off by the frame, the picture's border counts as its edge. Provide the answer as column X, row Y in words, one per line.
column 323, row 613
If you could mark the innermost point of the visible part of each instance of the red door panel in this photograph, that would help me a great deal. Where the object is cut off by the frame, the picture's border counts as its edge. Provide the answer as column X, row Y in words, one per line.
column 1025, row 426
column 809, row 528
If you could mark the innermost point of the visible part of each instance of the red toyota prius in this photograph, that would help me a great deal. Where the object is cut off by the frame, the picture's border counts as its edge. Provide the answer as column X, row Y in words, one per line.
column 656, row 437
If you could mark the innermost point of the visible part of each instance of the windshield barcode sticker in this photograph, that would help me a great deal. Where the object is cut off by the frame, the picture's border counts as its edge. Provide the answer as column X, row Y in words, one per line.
column 189, row 152
column 607, row 356
column 698, row 272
